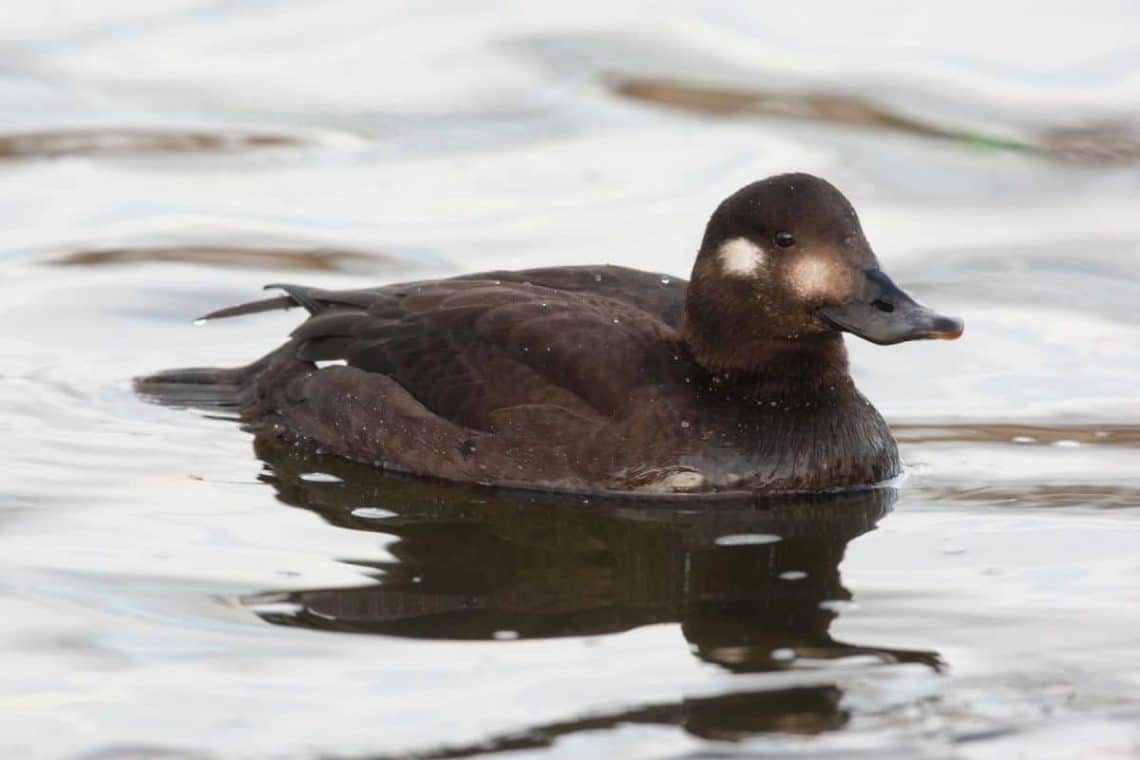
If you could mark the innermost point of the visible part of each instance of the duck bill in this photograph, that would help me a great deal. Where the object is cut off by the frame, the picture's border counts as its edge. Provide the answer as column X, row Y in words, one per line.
column 883, row 313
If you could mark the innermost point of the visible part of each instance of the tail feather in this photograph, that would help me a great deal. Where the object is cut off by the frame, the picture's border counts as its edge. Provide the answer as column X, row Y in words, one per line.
column 301, row 294
column 198, row 387
column 202, row 387
column 314, row 300
column 228, row 388
column 296, row 295
column 252, row 307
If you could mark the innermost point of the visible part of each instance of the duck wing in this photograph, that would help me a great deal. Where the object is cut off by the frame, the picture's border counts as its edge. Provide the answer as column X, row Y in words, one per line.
column 470, row 348
column 659, row 294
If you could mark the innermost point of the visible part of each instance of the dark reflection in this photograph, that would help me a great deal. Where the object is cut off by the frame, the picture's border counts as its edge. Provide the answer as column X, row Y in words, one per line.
column 725, row 718
column 472, row 563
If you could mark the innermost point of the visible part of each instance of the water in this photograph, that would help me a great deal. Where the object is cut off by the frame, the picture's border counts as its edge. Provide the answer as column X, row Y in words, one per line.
column 169, row 588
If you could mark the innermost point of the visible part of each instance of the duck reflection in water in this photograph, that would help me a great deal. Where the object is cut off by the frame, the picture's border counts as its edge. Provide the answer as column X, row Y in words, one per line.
column 749, row 585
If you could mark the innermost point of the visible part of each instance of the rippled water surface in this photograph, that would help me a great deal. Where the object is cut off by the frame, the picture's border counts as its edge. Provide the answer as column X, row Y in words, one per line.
column 170, row 586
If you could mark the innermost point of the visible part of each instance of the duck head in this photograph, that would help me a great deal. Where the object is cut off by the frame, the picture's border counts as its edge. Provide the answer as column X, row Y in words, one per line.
column 784, row 263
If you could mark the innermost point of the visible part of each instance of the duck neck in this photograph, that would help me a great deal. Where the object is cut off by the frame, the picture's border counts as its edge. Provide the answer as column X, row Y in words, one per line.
column 798, row 411
column 810, row 366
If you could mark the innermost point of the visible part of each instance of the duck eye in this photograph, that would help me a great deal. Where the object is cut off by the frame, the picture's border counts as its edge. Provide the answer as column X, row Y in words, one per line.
column 785, row 239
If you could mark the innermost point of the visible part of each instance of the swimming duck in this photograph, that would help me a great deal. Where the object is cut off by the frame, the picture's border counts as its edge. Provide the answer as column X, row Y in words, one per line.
column 601, row 378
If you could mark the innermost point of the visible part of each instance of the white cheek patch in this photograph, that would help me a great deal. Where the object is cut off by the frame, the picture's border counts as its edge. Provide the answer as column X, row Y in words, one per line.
column 812, row 277
column 740, row 257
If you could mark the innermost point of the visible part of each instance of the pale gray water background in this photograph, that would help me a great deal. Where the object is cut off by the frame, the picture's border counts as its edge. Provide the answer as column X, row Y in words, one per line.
column 159, row 160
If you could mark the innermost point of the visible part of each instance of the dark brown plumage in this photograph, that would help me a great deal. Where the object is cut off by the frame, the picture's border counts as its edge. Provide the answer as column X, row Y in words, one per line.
column 601, row 378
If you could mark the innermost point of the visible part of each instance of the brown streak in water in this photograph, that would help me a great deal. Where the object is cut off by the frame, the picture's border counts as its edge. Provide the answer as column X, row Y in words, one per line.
column 314, row 259
column 1102, row 435
column 1068, row 495
column 114, row 141
column 723, row 101
column 1104, row 143
column 1099, row 143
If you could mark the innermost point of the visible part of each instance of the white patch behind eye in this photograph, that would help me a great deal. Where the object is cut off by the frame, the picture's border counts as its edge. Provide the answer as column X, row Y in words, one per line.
column 330, row 363
column 740, row 257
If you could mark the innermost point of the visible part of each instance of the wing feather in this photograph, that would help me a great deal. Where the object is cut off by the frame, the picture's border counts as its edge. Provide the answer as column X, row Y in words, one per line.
column 583, row 340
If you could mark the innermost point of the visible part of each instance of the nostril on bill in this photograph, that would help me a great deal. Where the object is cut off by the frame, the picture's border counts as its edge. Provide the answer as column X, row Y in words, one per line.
column 883, row 306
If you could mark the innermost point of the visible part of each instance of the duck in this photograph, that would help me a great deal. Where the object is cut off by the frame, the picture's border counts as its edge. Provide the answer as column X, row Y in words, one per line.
column 600, row 379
